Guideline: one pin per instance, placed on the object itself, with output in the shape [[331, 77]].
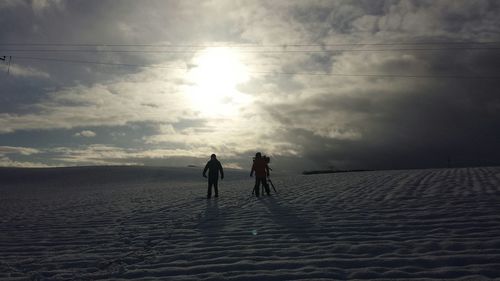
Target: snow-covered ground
[[138, 223]]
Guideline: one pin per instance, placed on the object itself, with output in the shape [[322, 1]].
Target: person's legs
[[266, 186], [216, 188], [258, 182], [209, 191], [257, 186]]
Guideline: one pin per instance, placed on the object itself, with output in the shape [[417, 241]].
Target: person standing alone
[[214, 167], [261, 170]]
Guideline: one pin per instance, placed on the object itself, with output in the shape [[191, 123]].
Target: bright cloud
[[7, 162], [85, 133], [146, 96], [17, 150]]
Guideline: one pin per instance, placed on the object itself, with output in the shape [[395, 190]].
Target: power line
[[242, 51], [454, 76], [384, 75], [255, 45], [96, 62]]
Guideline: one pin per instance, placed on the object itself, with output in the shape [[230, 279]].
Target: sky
[[332, 84]]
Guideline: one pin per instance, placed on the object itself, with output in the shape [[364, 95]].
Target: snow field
[[386, 225]]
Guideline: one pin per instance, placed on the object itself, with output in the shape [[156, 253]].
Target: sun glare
[[214, 77]]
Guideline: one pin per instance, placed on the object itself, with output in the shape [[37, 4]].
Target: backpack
[[266, 159]]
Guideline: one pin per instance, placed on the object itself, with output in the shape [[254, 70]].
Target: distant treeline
[[331, 171]]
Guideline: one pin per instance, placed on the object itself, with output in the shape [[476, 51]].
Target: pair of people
[[259, 166], [261, 170]]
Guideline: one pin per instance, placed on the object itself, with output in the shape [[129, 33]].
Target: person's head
[[258, 155], [213, 156]]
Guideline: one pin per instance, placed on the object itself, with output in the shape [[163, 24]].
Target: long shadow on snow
[[286, 217], [212, 221]]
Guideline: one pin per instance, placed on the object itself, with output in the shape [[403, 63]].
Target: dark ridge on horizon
[[315, 172], [90, 175], [334, 171]]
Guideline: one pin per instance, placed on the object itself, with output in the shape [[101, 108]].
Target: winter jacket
[[214, 167], [260, 167]]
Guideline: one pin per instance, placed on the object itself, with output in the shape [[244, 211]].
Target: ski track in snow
[[388, 225]]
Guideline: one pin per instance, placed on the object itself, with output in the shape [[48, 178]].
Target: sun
[[213, 78]]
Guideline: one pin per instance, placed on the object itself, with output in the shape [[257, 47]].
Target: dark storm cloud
[[421, 125], [413, 122]]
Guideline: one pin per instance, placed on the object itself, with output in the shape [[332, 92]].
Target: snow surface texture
[[412, 224]]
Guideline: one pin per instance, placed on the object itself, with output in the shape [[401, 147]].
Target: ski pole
[[274, 188]]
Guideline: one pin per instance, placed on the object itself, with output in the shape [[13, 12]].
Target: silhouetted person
[[261, 173], [214, 167]]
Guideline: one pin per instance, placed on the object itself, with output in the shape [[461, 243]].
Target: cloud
[[10, 3], [320, 120], [40, 6], [96, 154], [85, 133], [18, 150], [6, 152], [20, 71], [102, 154], [144, 96], [7, 162]]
